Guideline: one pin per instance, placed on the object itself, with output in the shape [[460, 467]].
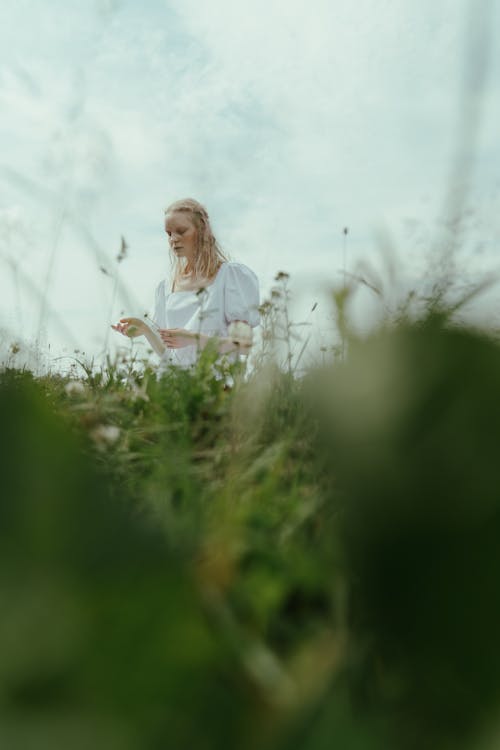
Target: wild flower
[[105, 434], [265, 307], [282, 276], [123, 250], [240, 332], [74, 388], [139, 393]]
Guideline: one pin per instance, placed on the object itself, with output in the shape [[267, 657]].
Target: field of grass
[[289, 564]]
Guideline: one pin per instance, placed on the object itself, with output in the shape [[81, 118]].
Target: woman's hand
[[177, 338], [130, 327]]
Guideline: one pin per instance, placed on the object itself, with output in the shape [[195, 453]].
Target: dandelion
[[105, 434]]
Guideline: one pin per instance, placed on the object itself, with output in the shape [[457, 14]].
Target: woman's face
[[181, 233]]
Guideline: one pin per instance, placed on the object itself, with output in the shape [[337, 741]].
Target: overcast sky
[[288, 119]]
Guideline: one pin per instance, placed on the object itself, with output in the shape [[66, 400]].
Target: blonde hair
[[209, 255]]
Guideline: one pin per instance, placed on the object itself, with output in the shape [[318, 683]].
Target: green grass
[[291, 564]]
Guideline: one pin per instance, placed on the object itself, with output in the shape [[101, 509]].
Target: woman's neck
[[189, 283], [186, 280]]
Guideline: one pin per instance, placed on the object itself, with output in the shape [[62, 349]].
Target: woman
[[208, 297]]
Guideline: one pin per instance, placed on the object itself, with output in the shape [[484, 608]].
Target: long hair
[[209, 255]]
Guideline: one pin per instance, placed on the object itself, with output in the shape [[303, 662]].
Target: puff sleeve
[[241, 295]]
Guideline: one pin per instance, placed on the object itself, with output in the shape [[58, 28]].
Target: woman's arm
[[239, 338], [155, 341]]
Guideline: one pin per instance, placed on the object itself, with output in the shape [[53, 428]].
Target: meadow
[[290, 563]]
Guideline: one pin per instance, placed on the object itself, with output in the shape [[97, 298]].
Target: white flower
[[240, 333], [74, 388], [106, 433], [139, 393]]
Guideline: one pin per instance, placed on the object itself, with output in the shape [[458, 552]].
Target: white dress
[[232, 295]]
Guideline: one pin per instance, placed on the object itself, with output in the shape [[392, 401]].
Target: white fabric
[[232, 295]]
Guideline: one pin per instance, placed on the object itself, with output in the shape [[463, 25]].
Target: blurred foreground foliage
[[293, 564]]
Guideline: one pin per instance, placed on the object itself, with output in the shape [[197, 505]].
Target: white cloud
[[290, 120]]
